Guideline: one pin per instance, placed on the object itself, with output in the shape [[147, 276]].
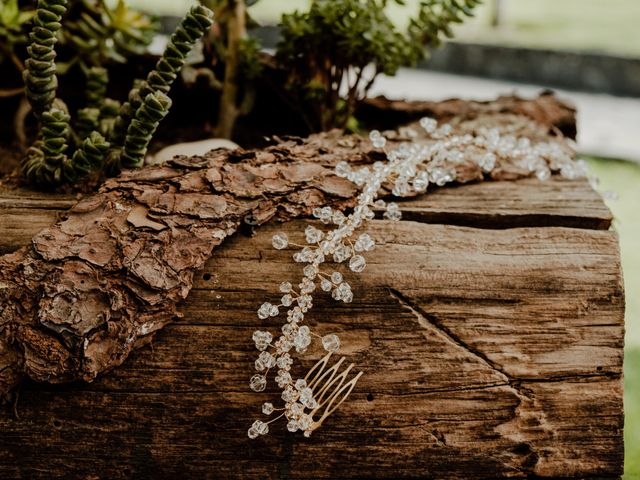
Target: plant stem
[[236, 32]]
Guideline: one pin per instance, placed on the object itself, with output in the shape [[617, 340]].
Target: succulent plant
[[331, 46], [105, 133], [96, 33]]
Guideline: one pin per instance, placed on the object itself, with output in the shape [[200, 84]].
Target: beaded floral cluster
[[410, 168]]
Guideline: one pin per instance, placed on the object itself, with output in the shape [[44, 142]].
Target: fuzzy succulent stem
[[88, 121], [96, 87], [192, 27], [153, 109], [91, 153], [47, 163], [40, 73]]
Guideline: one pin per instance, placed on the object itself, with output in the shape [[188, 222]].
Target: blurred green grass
[[624, 179], [632, 412], [586, 25]]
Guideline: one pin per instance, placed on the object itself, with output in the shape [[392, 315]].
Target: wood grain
[[487, 353], [522, 202]]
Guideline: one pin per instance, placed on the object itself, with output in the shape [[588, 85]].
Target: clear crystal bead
[[445, 129], [297, 315], [338, 217], [421, 182], [296, 409], [289, 394], [342, 292], [307, 254], [343, 169], [253, 433], [305, 394], [326, 214], [262, 339], [401, 187], [259, 365], [357, 263], [488, 162], [336, 277], [267, 359], [283, 379], [280, 241], [313, 235], [285, 345], [311, 403], [379, 142], [300, 384], [331, 342], [284, 362], [543, 174], [429, 124], [286, 300], [326, 285], [260, 427], [568, 171], [310, 271], [265, 310], [292, 426], [258, 383], [305, 302], [364, 243], [302, 339], [287, 329], [267, 408], [393, 212], [341, 253], [305, 422], [285, 287], [441, 176]]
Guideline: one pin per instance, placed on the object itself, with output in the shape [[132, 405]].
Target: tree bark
[[489, 324]]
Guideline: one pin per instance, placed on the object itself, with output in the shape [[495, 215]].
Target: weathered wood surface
[[102, 280], [523, 202], [487, 352]]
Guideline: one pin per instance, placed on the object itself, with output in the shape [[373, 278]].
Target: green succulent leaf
[[336, 40]]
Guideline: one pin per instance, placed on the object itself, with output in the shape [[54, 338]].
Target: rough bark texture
[[487, 352]]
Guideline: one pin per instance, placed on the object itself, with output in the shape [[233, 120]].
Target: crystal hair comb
[[321, 391], [410, 168]]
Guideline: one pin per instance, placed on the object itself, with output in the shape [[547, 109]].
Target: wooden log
[[489, 325], [487, 353]]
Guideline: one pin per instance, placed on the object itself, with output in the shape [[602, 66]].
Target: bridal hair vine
[[409, 169]]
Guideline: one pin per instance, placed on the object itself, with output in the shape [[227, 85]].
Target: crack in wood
[[527, 414], [425, 318]]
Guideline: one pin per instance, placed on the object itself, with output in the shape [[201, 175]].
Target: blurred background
[[588, 51]]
